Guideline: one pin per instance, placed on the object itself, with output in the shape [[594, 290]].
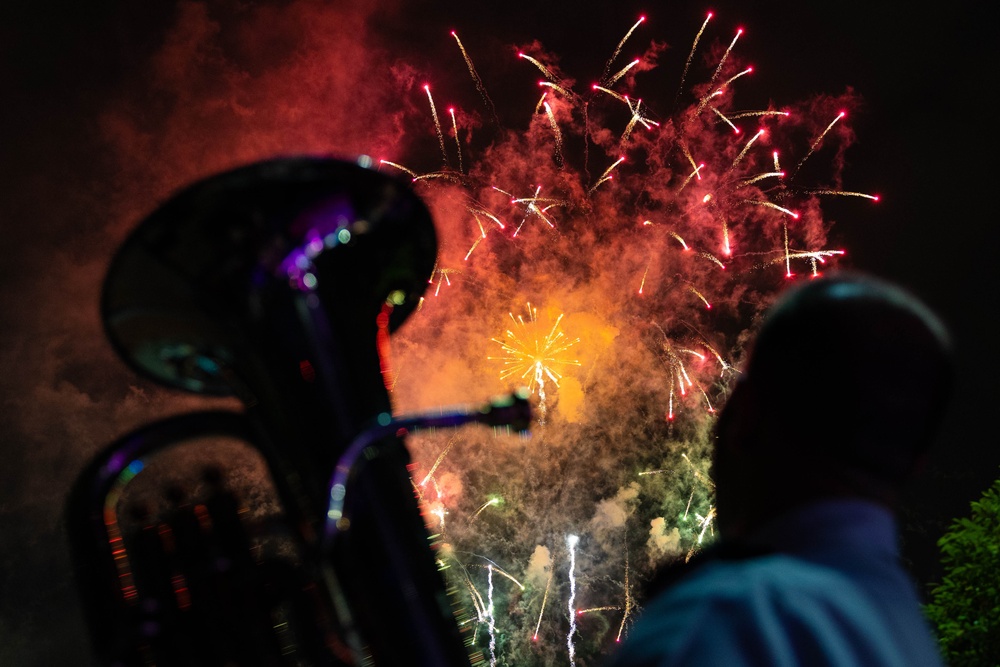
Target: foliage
[[965, 606]]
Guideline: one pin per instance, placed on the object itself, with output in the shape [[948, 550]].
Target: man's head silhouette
[[840, 397]]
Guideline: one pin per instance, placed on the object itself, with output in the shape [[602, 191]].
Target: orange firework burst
[[535, 353]]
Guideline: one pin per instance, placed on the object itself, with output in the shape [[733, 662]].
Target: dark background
[[926, 142]]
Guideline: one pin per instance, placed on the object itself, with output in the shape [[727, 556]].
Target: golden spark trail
[[542, 68], [620, 98], [683, 378], [697, 473], [599, 183], [653, 472], [479, 239], [622, 72], [777, 167], [700, 296], [618, 49], [437, 462], [743, 152], [726, 248], [751, 114], [728, 81], [728, 122], [555, 86], [581, 612], [816, 254], [645, 121], [712, 258], [475, 78], [844, 193], [760, 177], [636, 118], [768, 204], [541, 101], [722, 362], [687, 64], [693, 174], [704, 102], [611, 168], [812, 255], [705, 523], [458, 143], [556, 134], [708, 402], [477, 599], [444, 175], [694, 165], [443, 278], [643, 282], [502, 572], [628, 128], [400, 167], [816, 143], [486, 214], [628, 600], [694, 353], [488, 503], [437, 125], [532, 208], [475, 245], [545, 597], [788, 263], [551, 201], [725, 55]]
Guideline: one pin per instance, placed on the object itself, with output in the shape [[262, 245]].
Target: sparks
[[458, 143], [437, 125], [571, 542], [817, 142], [716, 186], [541, 68], [555, 133], [532, 354], [541, 611], [475, 78], [618, 49]]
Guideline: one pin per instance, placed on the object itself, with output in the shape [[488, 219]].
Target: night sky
[[95, 134]]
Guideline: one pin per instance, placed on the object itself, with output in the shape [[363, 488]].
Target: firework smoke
[[625, 263], [571, 205]]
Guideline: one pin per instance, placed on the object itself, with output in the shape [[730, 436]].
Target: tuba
[[278, 283]]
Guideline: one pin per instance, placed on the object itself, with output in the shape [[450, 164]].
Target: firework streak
[[610, 252]]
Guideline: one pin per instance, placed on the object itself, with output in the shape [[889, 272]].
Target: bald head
[[843, 390], [858, 362]]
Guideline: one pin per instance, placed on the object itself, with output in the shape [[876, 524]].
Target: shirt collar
[[848, 524]]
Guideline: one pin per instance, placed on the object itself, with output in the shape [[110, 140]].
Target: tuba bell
[[278, 283]]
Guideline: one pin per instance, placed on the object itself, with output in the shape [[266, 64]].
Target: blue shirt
[[831, 592]]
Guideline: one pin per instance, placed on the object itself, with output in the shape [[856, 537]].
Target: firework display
[[613, 253]]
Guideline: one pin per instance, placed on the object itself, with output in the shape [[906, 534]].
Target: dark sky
[[89, 145]]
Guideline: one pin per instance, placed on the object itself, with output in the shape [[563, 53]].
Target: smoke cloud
[[584, 214]]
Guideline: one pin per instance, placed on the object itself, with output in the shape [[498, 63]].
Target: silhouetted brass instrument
[[278, 283]]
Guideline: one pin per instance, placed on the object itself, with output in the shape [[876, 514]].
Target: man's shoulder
[[775, 609], [770, 574]]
